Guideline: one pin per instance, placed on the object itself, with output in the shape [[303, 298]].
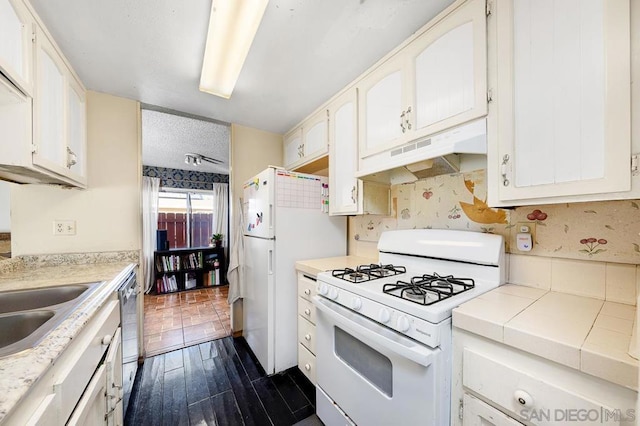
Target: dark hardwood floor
[[217, 383]]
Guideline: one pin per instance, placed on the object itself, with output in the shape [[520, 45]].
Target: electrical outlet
[[64, 227]]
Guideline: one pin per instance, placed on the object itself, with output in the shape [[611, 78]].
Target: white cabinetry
[[307, 142], [495, 384], [559, 129], [347, 194], [59, 114], [83, 386], [306, 327], [42, 104], [16, 44], [436, 81]]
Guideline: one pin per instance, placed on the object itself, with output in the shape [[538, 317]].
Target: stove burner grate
[[370, 272], [429, 289]]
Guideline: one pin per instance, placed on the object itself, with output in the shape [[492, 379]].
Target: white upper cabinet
[[436, 81], [307, 142], [292, 147], [382, 111], [314, 136], [448, 64], [59, 115], [344, 187], [16, 44], [560, 127]]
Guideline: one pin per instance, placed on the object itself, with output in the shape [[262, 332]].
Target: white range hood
[[430, 156]]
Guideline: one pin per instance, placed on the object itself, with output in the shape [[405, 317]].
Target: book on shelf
[[190, 280], [166, 284]]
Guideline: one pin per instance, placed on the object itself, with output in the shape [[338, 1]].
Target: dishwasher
[[128, 295]]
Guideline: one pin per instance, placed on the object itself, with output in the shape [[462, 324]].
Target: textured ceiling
[[167, 137], [304, 52]]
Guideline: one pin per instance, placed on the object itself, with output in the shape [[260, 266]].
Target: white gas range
[[384, 331]]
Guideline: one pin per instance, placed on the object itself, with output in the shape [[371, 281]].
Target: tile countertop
[[315, 266], [590, 335], [19, 371]]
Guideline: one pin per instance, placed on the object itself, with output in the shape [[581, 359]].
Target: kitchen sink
[[27, 316], [18, 326], [23, 300]]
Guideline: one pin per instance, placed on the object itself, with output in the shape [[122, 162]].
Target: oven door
[[375, 375]]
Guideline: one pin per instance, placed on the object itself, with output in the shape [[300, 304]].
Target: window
[[187, 217]]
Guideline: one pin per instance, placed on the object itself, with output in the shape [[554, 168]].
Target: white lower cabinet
[[477, 413], [84, 384], [495, 384], [306, 326]]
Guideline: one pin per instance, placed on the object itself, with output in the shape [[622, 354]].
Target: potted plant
[[216, 240]]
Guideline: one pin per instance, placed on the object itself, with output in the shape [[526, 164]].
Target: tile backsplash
[[607, 231]]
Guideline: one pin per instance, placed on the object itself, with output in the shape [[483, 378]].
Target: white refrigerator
[[286, 220]]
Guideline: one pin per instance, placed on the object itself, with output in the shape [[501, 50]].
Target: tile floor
[[175, 321], [218, 383]]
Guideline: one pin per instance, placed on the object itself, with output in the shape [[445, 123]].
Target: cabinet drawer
[[306, 310], [78, 364], [307, 334], [519, 391], [306, 287], [307, 363]]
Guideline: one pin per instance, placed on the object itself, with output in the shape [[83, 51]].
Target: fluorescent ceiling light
[[232, 27]]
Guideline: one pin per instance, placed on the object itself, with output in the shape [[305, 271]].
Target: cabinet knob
[[307, 337], [307, 292], [307, 311], [106, 340], [307, 367], [523, 398]]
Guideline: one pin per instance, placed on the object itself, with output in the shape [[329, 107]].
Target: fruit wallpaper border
[[607, 231]]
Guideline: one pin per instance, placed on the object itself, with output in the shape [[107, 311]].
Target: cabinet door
[[49, 121], [449, 71], [477, 413], [92, 407], [76, 131], [113, 364], [292, 147], [345, 189], [562, 80], [16, 47], [314, 136], [382, 108]]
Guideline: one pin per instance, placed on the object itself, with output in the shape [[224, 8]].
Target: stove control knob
[[333, 293], [356, 303], [384, 315], [403, 324], [323, 289]]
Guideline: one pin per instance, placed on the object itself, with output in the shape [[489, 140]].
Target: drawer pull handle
[[106, 340], [523, 398], [307, 367], [307, 337], [307, 292], [307, 311]]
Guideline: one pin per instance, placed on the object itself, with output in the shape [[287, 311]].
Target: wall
[[252, 151], [107, 214], [5, 207], [606, 231]]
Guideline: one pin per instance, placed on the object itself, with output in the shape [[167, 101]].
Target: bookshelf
[[189, 268]]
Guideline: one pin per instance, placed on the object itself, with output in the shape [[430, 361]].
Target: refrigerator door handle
[[270, 261], [270, 216]]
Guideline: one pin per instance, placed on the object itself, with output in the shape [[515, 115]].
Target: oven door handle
[[374, 332]]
